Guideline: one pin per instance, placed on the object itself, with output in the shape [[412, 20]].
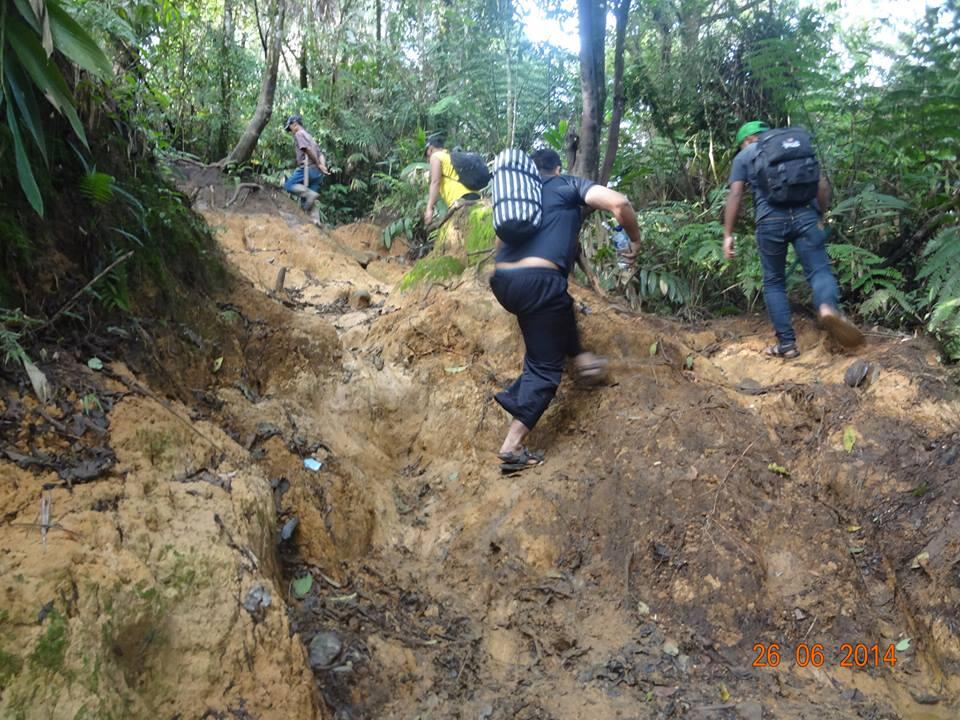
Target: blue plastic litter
[[312, 464], [289, 527]]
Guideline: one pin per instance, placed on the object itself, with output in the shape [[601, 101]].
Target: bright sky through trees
[[888, 17]]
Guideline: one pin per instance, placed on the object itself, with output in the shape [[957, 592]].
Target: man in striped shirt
[[530, 281]]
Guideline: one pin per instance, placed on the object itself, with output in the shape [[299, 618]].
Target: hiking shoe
[[842, 330], [309, 199]]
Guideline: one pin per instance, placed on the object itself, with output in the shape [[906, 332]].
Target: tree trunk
[[304, 76], [622, 14], [225, 94], [379, 21], [268, 88], [571, 145], [593, 15]]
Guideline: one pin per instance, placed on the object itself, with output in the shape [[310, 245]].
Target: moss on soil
[[431, 269]]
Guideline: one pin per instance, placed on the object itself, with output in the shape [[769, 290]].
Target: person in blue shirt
[[530, 281], [776, 227]]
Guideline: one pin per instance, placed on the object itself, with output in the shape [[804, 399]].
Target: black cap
[[291, 120], [435, 140]]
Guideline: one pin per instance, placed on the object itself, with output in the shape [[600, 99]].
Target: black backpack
[[517, 197], [786, 166], [471, 169]]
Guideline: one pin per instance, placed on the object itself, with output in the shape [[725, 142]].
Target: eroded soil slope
[[705, 501]]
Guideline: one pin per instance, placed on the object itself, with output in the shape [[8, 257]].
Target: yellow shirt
[[451, 189]]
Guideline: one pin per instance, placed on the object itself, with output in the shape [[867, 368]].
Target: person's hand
[[427, 216], [629, 256], [728, 250]]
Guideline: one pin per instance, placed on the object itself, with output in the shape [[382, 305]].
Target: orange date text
[[848, 655]]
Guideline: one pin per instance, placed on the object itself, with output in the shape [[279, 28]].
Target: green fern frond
[[97, 187]]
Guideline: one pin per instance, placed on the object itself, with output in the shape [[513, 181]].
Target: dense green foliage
[[372, 78], [887, 140], [94, 216]]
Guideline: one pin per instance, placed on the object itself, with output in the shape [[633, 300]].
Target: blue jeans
[[316, 179], [800, 226]]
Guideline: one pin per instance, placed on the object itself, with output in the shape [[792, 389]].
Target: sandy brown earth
[[705, 506]]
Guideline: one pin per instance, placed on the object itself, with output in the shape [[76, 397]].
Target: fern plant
[[97, 187], [940, 273], [867, 276], [29, 34], [402, 227]]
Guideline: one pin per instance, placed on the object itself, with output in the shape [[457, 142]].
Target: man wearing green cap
[[790, 198]]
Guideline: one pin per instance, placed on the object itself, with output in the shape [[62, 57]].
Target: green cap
[[751, 128]]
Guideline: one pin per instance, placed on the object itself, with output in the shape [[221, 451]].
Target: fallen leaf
[[849, 438], [654, 348], [778, 469], [302, 585], [95, 363], [920, 561], [724, 693], [455, 369], [41, 386], [853, 528], [217, 364], [856, 550], [903, 645], [688, 363]]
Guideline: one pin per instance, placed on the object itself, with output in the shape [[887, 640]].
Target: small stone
[[670, 648], [856, 373], [749, 710], [351, 320], [257, 601], [432, 611], [360, 298], [683, 663], [749, 386], [643, 609], [325, 647]]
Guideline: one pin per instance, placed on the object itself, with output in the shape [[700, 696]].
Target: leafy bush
[[431, 270], [941, 272]]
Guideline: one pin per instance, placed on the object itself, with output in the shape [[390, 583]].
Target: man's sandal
[[785, 352], [520, 460]]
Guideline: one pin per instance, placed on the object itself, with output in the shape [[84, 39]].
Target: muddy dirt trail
[[302, 515]]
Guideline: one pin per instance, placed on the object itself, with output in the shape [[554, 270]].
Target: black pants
[[544, 310]]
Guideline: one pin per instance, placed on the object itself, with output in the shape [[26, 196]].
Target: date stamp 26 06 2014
[[848, 655]]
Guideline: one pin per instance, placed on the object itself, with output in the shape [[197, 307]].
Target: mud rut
[[703, 502]]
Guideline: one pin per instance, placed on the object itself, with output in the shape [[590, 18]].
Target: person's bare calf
[[514, 439]]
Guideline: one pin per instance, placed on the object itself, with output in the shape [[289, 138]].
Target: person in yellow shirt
[[444, 181]]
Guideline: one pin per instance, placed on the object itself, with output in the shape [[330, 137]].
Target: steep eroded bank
[[704, 501]]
